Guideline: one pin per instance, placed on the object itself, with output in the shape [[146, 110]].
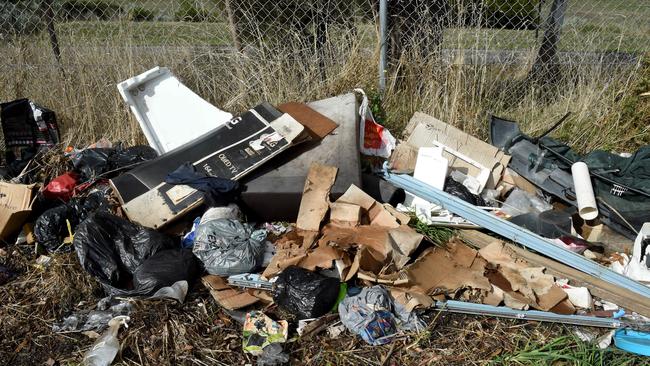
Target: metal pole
[[515, 233], [383, 30]]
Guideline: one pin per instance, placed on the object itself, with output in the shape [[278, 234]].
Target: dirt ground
[[198, 332]]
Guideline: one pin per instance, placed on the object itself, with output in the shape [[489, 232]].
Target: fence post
[[49, 18], [383, 30], [546, 65]]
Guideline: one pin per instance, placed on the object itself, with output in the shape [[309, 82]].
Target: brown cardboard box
[[15, 206]]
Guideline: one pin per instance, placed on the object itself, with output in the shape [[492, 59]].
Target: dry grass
[[456, 90], [199, 333], [83, 94]]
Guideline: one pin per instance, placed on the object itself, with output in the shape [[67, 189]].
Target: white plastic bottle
[[106, 347]]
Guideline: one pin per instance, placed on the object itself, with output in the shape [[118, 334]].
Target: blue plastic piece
[[633, 341]]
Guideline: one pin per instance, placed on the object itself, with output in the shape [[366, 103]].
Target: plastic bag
[[374, 316], [260, 331], [112, 249], [229, 247], [52, 226], [459, 190], [93, 162], [165, 268], [521, 202], [96, 320], [305, 294], [375, 139], [61, 187]]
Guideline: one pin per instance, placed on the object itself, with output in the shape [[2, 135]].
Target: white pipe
[[587, 208]]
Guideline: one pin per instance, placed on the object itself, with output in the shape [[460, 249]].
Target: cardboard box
[[231, 151], [15, 206]]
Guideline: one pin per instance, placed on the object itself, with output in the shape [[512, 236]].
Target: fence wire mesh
[[310, 43]]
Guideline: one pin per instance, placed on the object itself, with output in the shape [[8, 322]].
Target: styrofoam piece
[[637, 267], [431, 168], [587, 208], [169, 113], [475, 184]]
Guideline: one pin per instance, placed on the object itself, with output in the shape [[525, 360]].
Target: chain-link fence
[[460, 53]]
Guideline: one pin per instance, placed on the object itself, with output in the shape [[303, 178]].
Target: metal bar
[[513, 232], [383, 30], [544, 316]]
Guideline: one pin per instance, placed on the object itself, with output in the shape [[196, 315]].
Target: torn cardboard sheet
[[15, 206], [345, 214], [375, 213], [449, 270], [227, 296], [315, 199], [525, 284], [422, 130], [295, 249]]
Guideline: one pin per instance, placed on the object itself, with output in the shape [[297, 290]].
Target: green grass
[[127, 33], [568, 350]]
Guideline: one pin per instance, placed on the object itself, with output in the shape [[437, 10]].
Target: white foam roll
[[587, 208]]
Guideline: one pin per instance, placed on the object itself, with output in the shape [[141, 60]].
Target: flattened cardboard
[[15, 207], [422, 129], [227, 296], [447, 270], [315, 198]]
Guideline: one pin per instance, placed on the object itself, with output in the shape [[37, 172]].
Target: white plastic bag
[[374, 139]]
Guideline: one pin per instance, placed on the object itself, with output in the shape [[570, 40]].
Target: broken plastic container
[[169, 113]]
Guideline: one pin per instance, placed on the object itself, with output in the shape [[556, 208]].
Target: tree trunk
[[546, 67]]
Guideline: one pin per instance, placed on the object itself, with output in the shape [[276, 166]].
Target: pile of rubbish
[[271, 209]]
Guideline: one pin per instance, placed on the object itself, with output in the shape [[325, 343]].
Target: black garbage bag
[[93, 162], [305, 294], [51, 227], [113, 249], [164, 268], [459, 190]]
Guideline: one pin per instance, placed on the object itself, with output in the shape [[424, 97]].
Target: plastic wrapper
[[96, 320], [521, 202], [260, 331], [374, 316], [113, 250], [229, 247], [52, 226], [305, 294], [61, 187]]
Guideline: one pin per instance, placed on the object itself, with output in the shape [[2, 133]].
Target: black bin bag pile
[[130, 260]]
